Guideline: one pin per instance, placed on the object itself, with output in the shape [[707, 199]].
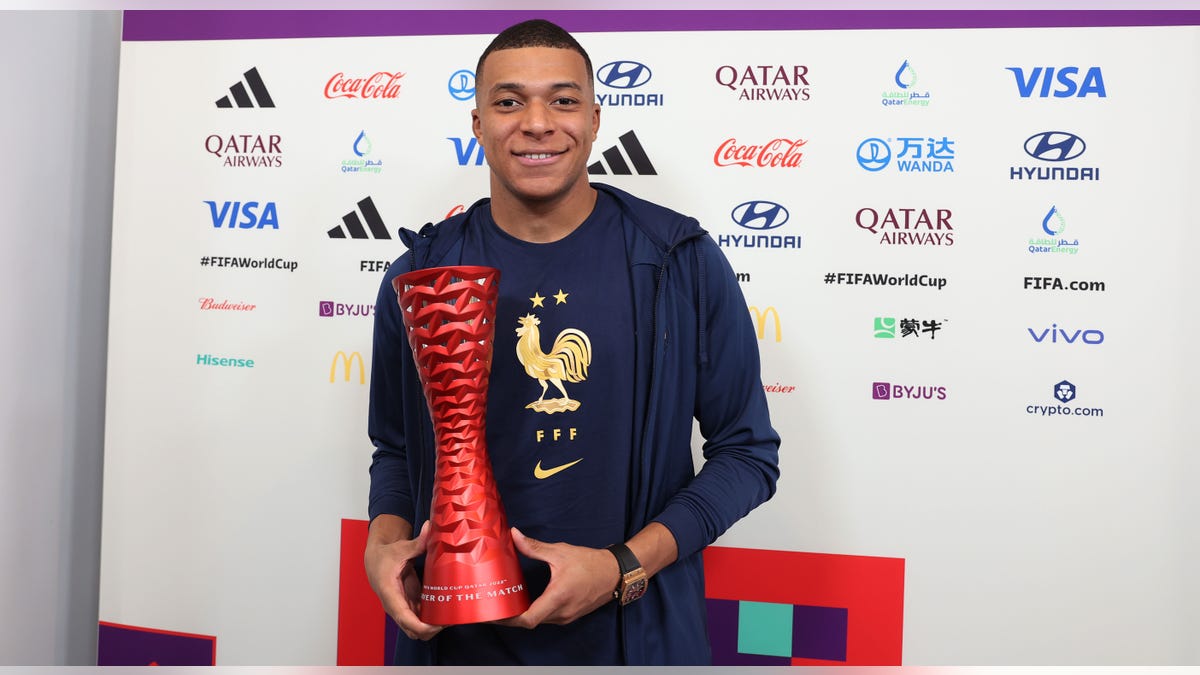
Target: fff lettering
[[1090, 336], [243, 215], [1045, 82], [556, 434]]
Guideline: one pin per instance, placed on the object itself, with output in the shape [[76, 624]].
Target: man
[[598, 458]]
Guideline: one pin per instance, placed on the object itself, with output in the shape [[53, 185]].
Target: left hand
[[581, 580]]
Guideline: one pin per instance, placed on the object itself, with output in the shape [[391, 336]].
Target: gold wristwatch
[[633, 578]]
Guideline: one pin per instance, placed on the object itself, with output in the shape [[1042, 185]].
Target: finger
[[529, 547], [532, 617]]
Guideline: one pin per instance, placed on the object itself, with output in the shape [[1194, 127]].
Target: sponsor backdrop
[[963, 250]]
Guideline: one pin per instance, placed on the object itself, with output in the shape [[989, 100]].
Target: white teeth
[[541, 155]]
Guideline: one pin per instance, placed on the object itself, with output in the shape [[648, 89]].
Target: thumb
[[528, 546]]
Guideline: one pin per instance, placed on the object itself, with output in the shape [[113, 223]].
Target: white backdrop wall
[[57, 128], [1026, 539]]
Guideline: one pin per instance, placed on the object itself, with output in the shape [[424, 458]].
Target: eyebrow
[[518, 87]]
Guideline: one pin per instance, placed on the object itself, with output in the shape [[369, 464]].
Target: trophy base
[[468, 594]]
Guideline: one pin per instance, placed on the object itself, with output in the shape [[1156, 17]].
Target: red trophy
[[471, 569]]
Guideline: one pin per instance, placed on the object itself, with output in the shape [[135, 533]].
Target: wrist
[[632, 580]]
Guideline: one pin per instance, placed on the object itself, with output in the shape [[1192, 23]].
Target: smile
[[538, 155]]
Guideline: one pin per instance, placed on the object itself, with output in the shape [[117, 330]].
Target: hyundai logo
[[759, 215], [623, 74], [1054, 146], [462, 85], [874, 154]]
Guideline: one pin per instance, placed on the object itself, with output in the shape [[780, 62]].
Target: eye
[[565, 100], [507, 103]]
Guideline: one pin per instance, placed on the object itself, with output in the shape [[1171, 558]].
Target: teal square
[[765, 628]]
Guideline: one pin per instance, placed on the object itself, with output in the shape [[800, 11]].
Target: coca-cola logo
[[380, 85], [780, 152]]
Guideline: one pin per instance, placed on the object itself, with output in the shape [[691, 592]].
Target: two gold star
[[560, 298]]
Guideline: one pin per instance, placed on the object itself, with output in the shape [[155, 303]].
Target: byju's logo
[[243, 215], [242, 150], [1063, 392], [1059, 83], [329, 308], [467, 150], [913, 154], [887, 391], [626, 75], [362, 147], [1053, 224], [907, 226], [379, 85], [615, 160], [461, 85], [776, 153], [352, 225], [907, 94], [242, 99], [1054, 147], [1056, 335], [759, 215], [766, 83]]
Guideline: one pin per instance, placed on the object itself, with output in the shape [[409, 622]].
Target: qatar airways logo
[[380, 85], [776, 153]]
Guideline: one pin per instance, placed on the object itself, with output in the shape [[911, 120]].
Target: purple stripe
[[260, 24]]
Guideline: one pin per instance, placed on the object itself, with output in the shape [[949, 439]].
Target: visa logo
[[243, 215], [1061, 83], [465, 151]]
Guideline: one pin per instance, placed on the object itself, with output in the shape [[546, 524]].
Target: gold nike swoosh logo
[[542, 474]]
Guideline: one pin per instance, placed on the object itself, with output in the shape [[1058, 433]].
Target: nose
[[536, 121]]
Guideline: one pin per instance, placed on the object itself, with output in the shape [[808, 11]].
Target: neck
[[542, 222]]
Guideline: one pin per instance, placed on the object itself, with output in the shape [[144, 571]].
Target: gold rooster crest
[[568, 360]]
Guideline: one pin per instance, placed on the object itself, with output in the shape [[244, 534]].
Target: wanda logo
[[380, 85], [780, 152]]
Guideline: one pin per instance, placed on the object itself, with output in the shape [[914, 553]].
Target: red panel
[[870, 588], [361, 618]]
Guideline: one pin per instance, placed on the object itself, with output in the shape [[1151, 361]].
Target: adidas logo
[[242, 98], [616, 161], [352, 225]]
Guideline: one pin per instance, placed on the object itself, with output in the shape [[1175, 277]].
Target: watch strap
[[626, 560]]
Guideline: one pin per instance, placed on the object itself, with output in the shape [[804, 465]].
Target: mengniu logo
[[759, 215], [626, 75], [243, 215], [1053, 224], [352, 225], [1063, 392], [776, 153], [912, 154], [906, 95], [347, 361], [257, 96], [888, 391], [1056, 335], [1054, 147], [885, 327], [467, 150], [461, 85], [614, 158], [382, 84], [1061, 82], [760, 321], [907, 226], [765, 83], [246, 150]]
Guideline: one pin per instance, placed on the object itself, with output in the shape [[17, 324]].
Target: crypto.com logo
[[1054, 146], [623, 74], [759, 215], [1064, 391]]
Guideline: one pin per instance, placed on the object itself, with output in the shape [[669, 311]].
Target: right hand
[[394, 579]]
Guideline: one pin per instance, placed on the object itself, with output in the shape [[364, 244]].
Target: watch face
[[634, 591]]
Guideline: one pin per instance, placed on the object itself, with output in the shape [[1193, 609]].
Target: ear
[[595, 120], [476, 125]]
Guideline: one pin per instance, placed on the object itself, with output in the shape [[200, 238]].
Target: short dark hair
[[534, 33]]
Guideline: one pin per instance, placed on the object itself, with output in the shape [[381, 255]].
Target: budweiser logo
[[781, 152], [380, 85]]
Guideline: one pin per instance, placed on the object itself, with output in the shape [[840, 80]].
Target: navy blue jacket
[[696, 355]]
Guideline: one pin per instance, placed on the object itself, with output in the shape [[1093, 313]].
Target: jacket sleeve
[[741, 448], [391, 487]]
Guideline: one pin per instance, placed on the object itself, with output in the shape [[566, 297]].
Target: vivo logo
[[1089, 336], [1060, 83], [623, 74], [759, 215], [1054, 146]]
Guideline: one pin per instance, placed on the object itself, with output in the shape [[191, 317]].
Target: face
[[536, 120]]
